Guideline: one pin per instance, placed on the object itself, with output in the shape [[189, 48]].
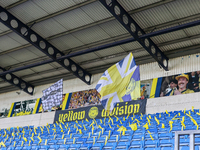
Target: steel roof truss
[[135, 30], [43, 45], [18, 82]]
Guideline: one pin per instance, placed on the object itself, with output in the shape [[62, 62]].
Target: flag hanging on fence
[[119, 83], [52, 96]]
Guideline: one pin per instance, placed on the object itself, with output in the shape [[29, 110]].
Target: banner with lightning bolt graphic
[[119, 83]]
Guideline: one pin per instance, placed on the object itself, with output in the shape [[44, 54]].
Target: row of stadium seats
[[149, 132]]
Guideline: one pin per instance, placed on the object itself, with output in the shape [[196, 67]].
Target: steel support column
[[18, 82], [43, 45], [135, 30]]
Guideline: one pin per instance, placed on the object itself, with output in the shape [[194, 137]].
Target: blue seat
[[151, 148], [97, 146], [11, 148], [165, 135], [74, 146], [63, 147], [52, 142], [166, 143], [123, 145], [110, 145], [90, 140], [137, 144], [113, 138], [136, 149], [184, 142], [154, 143], [167, 148], [81, 140], [35, 147], [70, 141], [155, 136], [55, 147], [125, 138], [138, 137], [101, 140], [18, 148], [27, 148], [184, 147], [59, 142], [85, 146]]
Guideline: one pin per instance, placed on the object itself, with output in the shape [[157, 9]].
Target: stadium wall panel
[[34, 119]]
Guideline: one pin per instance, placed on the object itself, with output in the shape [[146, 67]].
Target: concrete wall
[[173, 103], [34, 119]]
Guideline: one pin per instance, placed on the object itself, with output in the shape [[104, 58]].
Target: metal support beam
[[43, 45], [18, 82], [135, 30], [152, 34]]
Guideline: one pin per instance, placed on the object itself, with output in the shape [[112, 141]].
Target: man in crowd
[[198, 74], [172, 85], [193, 82], [182, 85]]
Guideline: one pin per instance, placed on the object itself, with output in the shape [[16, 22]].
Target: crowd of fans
[[84, 98]]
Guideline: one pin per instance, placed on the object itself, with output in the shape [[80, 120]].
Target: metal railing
[[189, 132]]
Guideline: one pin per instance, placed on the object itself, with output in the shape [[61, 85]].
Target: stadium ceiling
[[88, 34]]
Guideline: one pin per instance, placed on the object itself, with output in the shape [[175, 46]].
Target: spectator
[[172, 85], [193, 82], [182, 85]]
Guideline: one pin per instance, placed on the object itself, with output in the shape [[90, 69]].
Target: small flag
[[2, 144], [158, 122], [133, 126], [170, 124], [146, 126]]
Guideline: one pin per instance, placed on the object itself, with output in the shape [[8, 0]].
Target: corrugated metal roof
[[113, 28], [52, 6], [131, 46], [73, 19], [193, 30], [114, 59], [6, 42], [152, 17], [90, 35], [48, 28], [176, 46], [131, 5], [7, 60], [109, 51], [93, 64], [183, 8], [24, 73], [66, 42], [5, 3], [76, 25], [96, 11], [169, 37], [28, 11], [24, 55], [3, 28], [84, 57], [195, 41]]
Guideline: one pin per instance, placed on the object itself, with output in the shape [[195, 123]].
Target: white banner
[[52, 96]]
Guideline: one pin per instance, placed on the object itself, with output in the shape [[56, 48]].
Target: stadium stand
[[132, 132]]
